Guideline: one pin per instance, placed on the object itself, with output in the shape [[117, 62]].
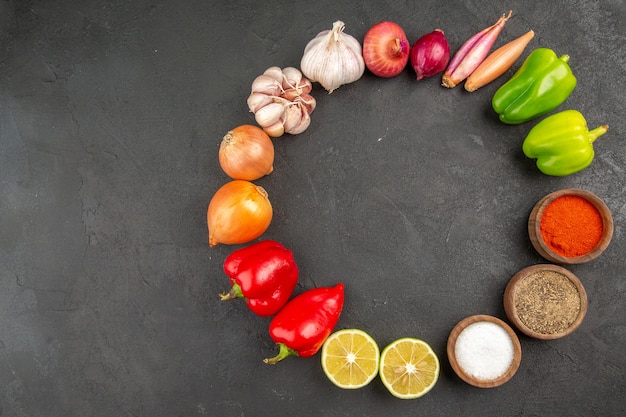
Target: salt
[[484, 350]]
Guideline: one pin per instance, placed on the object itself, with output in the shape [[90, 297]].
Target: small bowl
[[462, 373], [534, 227], [536, 292]]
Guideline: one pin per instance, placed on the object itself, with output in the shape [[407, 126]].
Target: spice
[[484, 350], [571, 226], [547, 302]]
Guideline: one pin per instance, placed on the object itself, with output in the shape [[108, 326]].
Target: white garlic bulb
[[333, 58], [281, 102]]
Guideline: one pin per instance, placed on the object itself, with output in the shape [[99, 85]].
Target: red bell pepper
[[302, 326], [264, 274]]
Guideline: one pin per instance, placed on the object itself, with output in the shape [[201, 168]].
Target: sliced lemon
[[350, 358], [409, 368]]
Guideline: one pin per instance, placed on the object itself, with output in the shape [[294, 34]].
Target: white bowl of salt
[[484, 351]]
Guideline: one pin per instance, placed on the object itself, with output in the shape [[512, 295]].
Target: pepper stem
[[235, 292], [283, 352], [597, 132]]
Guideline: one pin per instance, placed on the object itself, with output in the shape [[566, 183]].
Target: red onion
[[385, 49], [430, 54]]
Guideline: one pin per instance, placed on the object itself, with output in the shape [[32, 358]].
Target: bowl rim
[[511, 290], [483, 383], [534, 226]]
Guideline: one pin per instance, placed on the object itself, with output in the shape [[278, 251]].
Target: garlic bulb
[[281, 102], [333, 58]]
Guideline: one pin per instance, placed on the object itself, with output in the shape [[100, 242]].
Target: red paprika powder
[[571, 226]]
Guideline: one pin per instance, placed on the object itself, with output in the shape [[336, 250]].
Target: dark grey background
[[415, 196]]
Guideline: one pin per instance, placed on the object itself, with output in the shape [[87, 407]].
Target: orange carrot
[[498, 62]]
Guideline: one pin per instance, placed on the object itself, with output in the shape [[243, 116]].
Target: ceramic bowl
[[465, 376], [537, 304], [534, 227]]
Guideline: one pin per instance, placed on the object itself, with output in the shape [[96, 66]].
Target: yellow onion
[[238, 213], [246, 153]]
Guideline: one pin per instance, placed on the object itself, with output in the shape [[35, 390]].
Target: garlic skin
[[281, 102], [333, 58]]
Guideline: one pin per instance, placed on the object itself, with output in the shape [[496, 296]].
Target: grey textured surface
[[415, 196]]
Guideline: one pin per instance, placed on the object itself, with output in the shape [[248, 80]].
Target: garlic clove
[[274, 72], [305, 121], [269, 114], [305, 86], [290, 94], [280, 99], [258, 100], [307, 101], [291, 118], [266, 84], [291, 77], [276, 129]]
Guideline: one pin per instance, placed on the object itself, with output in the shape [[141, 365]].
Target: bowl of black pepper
[[545, 301]]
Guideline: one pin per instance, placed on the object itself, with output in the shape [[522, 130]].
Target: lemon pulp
[[350, 358], [409, 368]]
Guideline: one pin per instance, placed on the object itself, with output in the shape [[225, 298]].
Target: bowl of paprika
[[570, 226]]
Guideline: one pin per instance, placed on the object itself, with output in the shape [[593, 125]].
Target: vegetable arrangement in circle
[[265, 273]]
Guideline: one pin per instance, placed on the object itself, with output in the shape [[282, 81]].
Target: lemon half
[[350, 358], [409, 368]]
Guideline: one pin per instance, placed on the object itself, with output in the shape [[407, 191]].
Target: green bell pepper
[[561, 143], [540, 85]]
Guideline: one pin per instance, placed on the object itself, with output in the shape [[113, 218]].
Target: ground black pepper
[[547, 302]]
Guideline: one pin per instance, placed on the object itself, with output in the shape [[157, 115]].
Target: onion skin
[[246, 153], [430, 54], [239, 212], [386, 49], [498, 62]]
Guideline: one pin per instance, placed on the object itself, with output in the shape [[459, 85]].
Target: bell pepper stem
[[235, 292], [597, 132], [283, 352]]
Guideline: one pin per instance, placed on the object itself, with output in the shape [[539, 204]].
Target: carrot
[[498, 62]]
